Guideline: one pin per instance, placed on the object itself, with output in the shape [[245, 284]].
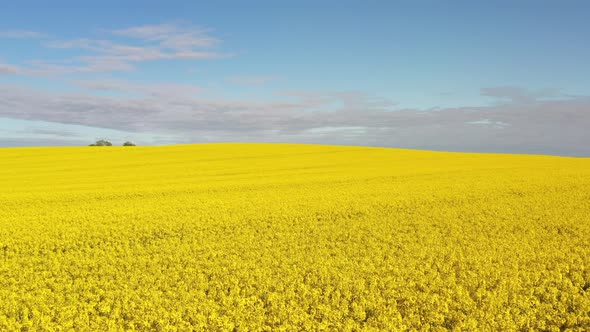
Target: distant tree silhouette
[[102, 142], [128, 143]]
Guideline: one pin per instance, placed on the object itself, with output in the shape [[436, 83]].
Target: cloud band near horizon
[[511, 124]]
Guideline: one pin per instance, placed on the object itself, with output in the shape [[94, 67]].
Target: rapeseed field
[[287, 237]]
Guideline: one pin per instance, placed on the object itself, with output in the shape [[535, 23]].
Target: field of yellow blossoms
[[287, 237]]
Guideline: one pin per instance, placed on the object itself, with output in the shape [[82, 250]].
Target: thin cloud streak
[[6, 69], [172, 36], [252, 80], [132, 46], [160, 90], [21, 34]]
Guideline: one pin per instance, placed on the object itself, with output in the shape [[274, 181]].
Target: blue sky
[[502, 76]]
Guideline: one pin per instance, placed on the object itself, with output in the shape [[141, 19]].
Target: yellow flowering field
[[288, 237]]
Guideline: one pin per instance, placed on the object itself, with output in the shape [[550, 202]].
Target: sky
[[493, 76]]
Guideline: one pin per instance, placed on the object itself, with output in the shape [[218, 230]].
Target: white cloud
[[6, 69], [490, 123], [18, 34], [178, 37], [541, 126], [517, 94], [161, 89], [124, 48], [252, 80]]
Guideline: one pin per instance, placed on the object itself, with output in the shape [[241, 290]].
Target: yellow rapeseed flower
[[287, 237]]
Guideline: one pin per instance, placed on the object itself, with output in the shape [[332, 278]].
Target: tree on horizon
[[101, 142]]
